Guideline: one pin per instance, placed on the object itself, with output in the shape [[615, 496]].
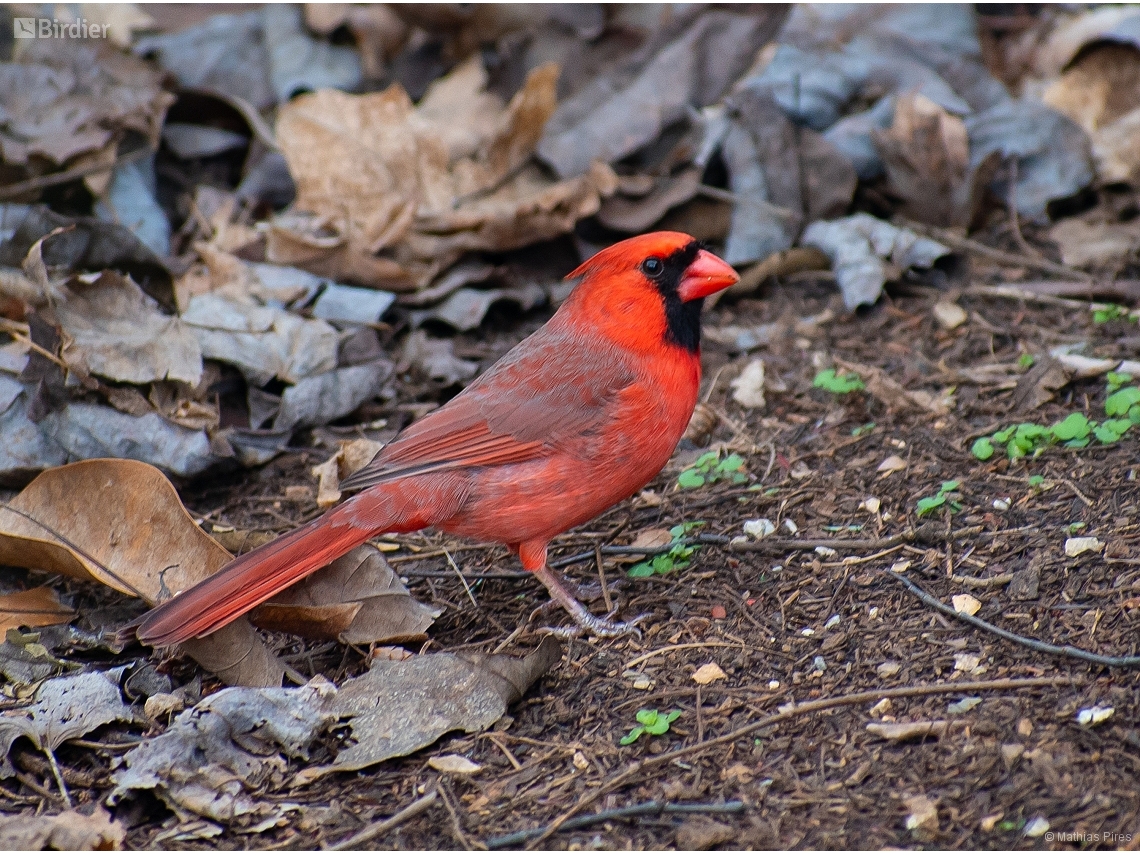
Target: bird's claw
[[600, 627]]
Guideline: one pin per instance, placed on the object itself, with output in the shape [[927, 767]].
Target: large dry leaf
[[116, 331], [120, 523], [400, 707], [70, 831], [218, 758], [34, 607], [390, 193], [356, 599]]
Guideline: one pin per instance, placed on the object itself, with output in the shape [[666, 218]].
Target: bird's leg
[[534, 559]]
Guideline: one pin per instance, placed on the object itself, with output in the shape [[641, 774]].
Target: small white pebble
[[773, 684], [873, 612], [1001, 504], [825, 552], [807, 632], [1094, 715], [1036, 827], [819, 664], [759, 528], [791, 526], [832, 622]]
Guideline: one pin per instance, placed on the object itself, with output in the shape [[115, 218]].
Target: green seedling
[[862, 430], [651, 722], [1036, 481], [1111, 312], [1026, 360], [838, 384], [675, 558], [944, 496], [1114, 380], [709, 468]]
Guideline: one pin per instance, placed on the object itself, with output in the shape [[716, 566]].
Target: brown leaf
[[902, 731], [390, 194], [356, 599], [1038, 385], [34, 607], [893, 394], [67, 831], [400, 707], [136, 538], [927, 159]]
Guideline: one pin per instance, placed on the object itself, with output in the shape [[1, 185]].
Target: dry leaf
[[891, 392], [454, 764], [70, 831], [356, 599], [923, 817], [927, 159], [894, 463], [422, 184], [400, 707], [1096, 244], [1075, 546], [708, 673], [34, 607], [217, 759], [137, 539], [652, 538], [966, 604], [748, 388]]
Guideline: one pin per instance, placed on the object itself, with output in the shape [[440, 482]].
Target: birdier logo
[[50, 28]]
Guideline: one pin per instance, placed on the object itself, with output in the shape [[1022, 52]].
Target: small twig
[[1031, 643], [1088, 502], [979, 582], [58, 775], [1014, 220], [602, 579], [792, 711], [399, 818], [459, 573], [672, 647], [511, 758], [456, 827], [1001, 256], [618, 813]]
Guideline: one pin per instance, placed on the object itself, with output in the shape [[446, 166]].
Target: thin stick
[[459, 573], [1031, 643], [618, 813], [602, 579], [455, 826], [40, 182], [58, 775], [399, 818], [687, 646], [792, 711]]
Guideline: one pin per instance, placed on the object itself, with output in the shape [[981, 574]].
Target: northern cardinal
[[577, 417]]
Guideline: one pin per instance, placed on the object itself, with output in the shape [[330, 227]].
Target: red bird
[[577, 417]]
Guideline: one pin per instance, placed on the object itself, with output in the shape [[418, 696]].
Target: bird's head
[[652, 285]]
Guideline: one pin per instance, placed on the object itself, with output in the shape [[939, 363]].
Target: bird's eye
[[652, 267]]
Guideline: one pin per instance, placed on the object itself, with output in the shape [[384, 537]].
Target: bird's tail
[[407, 504], [250, 580]]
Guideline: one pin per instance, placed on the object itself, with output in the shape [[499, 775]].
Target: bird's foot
[[601, 627]]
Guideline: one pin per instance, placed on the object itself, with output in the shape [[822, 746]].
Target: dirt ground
[[786, 622]]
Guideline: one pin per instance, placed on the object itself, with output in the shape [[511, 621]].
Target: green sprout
[[838, 384], [1115, 380], [1110, 312], [675, 558], [1026, 360], [945, 494], [651, 722], [863, 429], [709, 468]]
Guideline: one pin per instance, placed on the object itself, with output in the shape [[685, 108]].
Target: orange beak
[[706, 275]]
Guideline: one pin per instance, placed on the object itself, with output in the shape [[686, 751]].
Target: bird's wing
[[549, 389]]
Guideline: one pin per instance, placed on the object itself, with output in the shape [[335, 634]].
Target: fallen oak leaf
[[68, 831]]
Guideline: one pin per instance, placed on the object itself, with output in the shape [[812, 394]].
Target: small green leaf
[[1119, 403], [647, 717], [690, 479], [928, 504], [642, 570], [1111, 430], [632, 736], [706, 461], [1109, 313], [1026, 360], [1073, 426], [863, 429], [838, 384], [1036, 480], [982, 448], [1116, 379], [947, 486], [673, 716], [732, 463]]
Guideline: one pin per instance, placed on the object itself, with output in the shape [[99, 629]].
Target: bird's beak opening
[[706, 275]]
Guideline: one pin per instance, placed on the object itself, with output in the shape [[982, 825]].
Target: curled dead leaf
[[34, 607]]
